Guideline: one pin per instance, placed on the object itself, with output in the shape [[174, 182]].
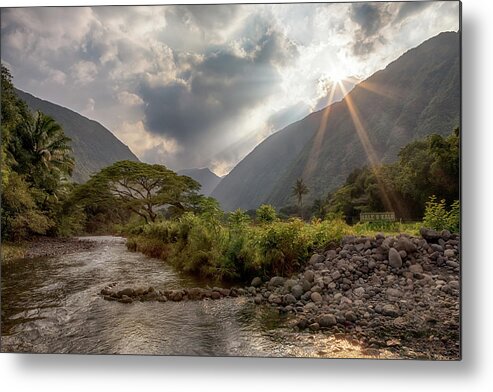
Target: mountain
[[93, 145], [416, 95], [204, 177]]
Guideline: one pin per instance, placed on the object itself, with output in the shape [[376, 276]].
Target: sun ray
[[368, 147], [319, 135], [380, 90]]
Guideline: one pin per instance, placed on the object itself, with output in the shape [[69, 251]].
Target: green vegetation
[[426, 168], [36, 162], [233, 248], [438, 217], [299, 190]]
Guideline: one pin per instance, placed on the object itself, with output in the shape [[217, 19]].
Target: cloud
[[203, 85]]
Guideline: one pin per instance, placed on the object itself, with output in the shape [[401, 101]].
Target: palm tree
[[45, 148], [300, 189]]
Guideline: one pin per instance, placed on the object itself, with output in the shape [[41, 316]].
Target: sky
[[202, 85]]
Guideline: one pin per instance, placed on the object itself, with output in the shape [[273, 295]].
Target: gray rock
[[125, 299], [316, 258], [316, 297], [350, 316], [309, 276], [335, 275], [258, 300], [358, 292], [429, 234], [297, 291], [289, 299], [327, 320], [256, 282], [314, 326], [306, 285], [276, 281], [452, 264], [128, 292], [404, 243], [449, 253], [216, 295], [275, 299], [390, 310], [395, 259], [416, 268], [393, 293]]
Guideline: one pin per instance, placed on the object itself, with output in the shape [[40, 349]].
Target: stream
[[52, 305]]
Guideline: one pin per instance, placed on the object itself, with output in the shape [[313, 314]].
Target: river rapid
[[52, 305]]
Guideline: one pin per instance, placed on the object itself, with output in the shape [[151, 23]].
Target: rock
[[326, 320], [416, 268], [429, 234], [335, 275], [315, 326], [106, 291], [309, 276], [358, 292], [258, 300], [316, 258], [276, 281], [390, 310], [446, 235], [288, 284], [125, 299], [225, 292], [275, 299], [330, 254], [215, 295], [316, 297], [289, 299], [302, 324], [306, 285], [452, 264], [195, 293], [449, 253], [297, 291], [350, 316], [256, 282], [176, 296], [395, 259], [405, 244], [393, 293], [128, 292]]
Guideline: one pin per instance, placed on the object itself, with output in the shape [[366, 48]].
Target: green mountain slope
[[415, 95], [93, 145], [204, 177]]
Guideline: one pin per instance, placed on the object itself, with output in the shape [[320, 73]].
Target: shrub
[[266, 214], [438, 217]]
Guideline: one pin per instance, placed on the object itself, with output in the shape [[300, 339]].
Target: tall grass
[[238, 249]]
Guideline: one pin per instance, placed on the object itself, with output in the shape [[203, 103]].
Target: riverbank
[[400, 293], [45, 247]]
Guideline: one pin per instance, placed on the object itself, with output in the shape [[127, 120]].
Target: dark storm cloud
[[411, 8], [370, 17], [221, 87]]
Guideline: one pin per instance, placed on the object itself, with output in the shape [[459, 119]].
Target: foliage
[[438, 217], [238, 250], [300, 189], [265, 214], [140, 188], [425, 167], [36, 162]]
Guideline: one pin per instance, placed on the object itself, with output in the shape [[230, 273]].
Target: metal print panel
[[270, 180]]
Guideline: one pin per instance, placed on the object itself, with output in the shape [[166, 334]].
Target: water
[[52, 305]]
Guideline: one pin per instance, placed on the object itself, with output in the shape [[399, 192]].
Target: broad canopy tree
[[141, 188]]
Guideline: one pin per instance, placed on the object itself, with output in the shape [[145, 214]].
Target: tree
[[43, 152], [299, 190], [266, 214], [141, 188]]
